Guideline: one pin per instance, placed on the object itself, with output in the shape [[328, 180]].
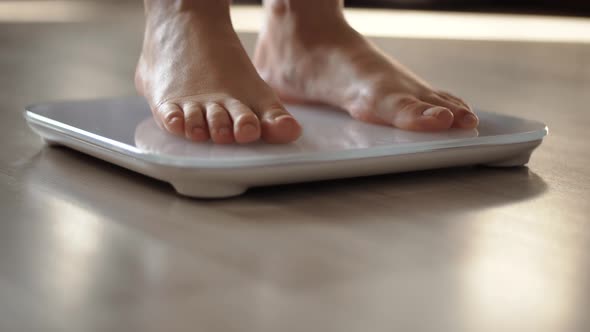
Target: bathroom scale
[[333, 145]]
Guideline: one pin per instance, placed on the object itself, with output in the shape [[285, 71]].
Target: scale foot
[[208, 190], [515, 161]]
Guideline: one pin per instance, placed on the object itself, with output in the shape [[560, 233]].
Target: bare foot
[[199, 81], [309, 53]]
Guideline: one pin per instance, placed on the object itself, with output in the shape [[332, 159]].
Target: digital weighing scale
[[333, 145]]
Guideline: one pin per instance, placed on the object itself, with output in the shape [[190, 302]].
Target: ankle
[[202, 8], [310, 24], [309, 11]]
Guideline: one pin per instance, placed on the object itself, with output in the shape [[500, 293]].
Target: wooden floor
[[87, 246]]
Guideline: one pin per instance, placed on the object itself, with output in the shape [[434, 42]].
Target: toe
[[246, 124], [463, 115], [467, 120], [195, 125], [219, 123], [453, 98], [407, 112], [170, 115], [278, 125]]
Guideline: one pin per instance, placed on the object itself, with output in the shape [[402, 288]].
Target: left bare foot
[[199, 81], [315, 56]]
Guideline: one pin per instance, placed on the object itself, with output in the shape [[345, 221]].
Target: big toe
[[278, 125], [409, 113], [463, 116]]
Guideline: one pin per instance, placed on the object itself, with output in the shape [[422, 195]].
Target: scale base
[[333, 146]]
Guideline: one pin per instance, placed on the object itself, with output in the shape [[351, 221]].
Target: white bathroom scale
[[333, 145]]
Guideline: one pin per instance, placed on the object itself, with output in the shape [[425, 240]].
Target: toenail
[[171, 117], [287, 123], [433, 111], [273, 115], [248, 129], [469, 119], [173, 120], [281, 117]]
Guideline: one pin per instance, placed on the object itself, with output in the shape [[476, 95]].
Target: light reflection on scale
[[324, 130]]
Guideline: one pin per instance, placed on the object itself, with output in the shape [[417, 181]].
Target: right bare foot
[[199, 81], [309, 54]]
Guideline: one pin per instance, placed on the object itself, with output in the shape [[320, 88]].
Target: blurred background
[[85, 246], [549, 7], [545, 7]]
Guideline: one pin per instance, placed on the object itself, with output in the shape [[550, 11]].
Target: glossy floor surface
[[87, 246]]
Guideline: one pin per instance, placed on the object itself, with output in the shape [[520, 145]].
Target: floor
[[87, 246]]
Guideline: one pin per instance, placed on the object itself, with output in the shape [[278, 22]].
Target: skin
[[201, 84]]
